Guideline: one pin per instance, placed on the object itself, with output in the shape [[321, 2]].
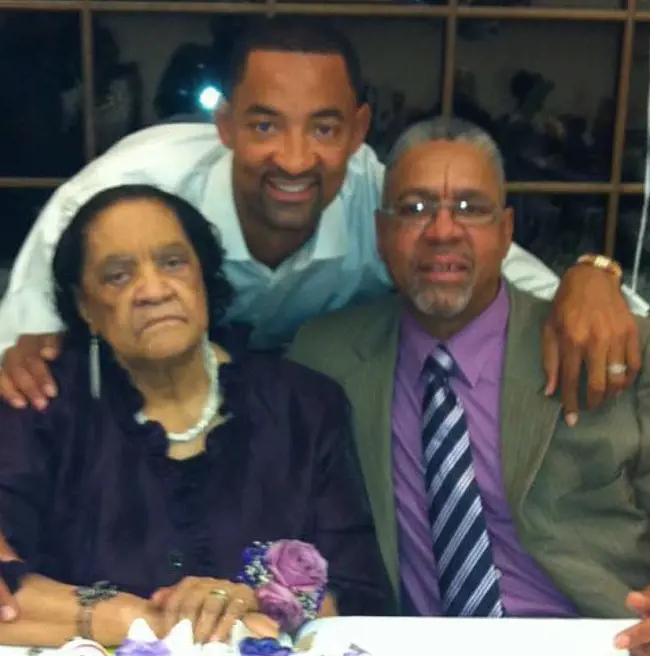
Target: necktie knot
[[440, 363]]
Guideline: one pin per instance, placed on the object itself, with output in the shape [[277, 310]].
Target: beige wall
[[581, 58]]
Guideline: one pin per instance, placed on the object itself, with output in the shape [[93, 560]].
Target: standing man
[[486, 504], [292, 188]]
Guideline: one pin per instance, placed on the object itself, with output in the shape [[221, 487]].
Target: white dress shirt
[[337, 267]]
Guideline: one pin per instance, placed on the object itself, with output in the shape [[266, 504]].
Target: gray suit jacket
[[579, 497]]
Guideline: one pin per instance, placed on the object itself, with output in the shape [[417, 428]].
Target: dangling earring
[[95, 373]]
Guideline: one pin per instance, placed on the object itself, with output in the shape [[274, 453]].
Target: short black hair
[[293, 34], [69, 256]]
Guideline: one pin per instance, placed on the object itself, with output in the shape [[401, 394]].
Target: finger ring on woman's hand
[[219, 593]]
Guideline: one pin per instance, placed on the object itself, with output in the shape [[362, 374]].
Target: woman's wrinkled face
[[142, 288]]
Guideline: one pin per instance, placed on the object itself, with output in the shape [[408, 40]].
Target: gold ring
[[219, 593]]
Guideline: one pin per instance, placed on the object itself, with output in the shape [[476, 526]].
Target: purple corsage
[[289, 578]]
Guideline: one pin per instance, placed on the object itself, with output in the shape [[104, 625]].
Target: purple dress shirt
[[479, 352]]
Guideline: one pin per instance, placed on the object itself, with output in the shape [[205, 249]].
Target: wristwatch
[[88, 597], [603, 263]]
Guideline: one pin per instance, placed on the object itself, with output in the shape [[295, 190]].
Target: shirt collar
[[471, 348], [330, 240]]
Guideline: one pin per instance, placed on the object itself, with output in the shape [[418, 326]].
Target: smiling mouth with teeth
[[298, 185], [292, 187]]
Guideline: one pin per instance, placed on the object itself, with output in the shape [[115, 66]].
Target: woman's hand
[[112, 618], [212, 605], [261, 626]]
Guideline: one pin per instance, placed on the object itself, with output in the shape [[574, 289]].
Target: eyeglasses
[[466, 212]]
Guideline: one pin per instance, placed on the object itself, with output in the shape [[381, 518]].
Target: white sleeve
[[28, 304], [531, 275], [637, 304]]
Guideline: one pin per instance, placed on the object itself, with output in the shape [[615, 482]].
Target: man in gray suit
[[486, 503]]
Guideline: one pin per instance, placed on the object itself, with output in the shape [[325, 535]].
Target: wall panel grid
[[526, 27]]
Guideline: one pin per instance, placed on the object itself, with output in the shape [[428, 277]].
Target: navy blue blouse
[[87, 494]]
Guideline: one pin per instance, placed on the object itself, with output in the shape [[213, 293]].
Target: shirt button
[[175, 561], [499, 573]]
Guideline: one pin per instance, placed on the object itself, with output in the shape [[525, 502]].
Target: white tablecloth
[[392, 636]]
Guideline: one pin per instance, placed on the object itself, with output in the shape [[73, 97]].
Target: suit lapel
[[528, 417], [370, 384]]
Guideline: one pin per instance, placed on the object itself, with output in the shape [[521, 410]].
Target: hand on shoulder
[[25, 377], [591, 324]]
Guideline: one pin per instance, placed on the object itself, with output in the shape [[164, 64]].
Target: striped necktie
[[467, 577]]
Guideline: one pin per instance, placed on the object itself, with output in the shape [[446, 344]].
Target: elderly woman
[[166, 453]]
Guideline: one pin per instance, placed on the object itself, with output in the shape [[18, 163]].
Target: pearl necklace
[[211, 404]]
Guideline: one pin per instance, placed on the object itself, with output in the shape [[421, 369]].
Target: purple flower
[[297, 565], [262, 647], [281, 604], [134, 648]]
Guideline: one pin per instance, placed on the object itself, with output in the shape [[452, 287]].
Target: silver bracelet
[[88, 597]]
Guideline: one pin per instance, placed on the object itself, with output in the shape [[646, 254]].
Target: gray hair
[[445, 129]]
